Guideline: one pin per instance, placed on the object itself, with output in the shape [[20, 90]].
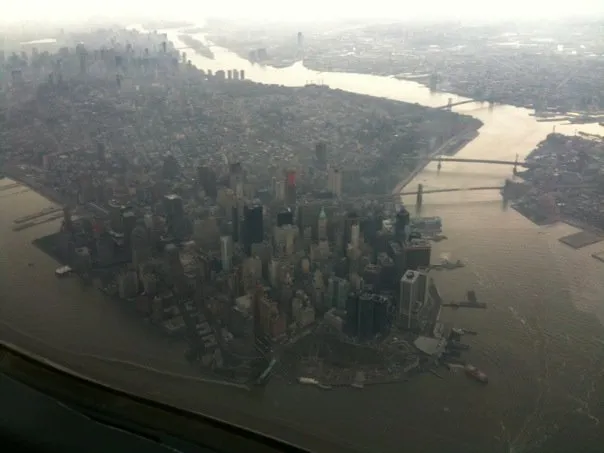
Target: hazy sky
[[18, 10]]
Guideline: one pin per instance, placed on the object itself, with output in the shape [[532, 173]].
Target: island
[[256, 222]]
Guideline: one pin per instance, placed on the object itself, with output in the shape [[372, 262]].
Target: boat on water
[[427, 225], [476, 374], [460, 332], [63, 271], [457, 345]]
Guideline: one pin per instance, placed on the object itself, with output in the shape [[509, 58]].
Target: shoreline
[[421, 79], [11, 171]]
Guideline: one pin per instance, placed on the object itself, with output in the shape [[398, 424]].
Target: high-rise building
[[322, 226], [409, 292], [290, 187], [371, 275], [422, 287], [115, 216], [141, 247], [417, 254], [338, 290], [226, 252], [350, 220], [207, 180], [175, 216], [82, 261], [253, 218], [334, 181], [285, 239], [351, 326], [171, 168], [129, 223], [381, 314], [128, 284], [321, 155], [236, 179], [365, 321], [279, 189], [401, 224], [285, 217], [355, 235], [236, 224]]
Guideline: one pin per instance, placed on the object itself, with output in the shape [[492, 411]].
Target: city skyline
[[271, 10]]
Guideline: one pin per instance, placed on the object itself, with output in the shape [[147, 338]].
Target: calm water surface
[[541, 340]]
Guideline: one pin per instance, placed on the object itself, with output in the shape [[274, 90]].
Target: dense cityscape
[[258, 228], [249, 247], [551, 68], [567, 182]]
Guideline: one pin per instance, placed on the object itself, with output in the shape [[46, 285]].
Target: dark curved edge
[[73, 388]]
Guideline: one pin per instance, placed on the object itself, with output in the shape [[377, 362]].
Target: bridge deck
[[454, 104], [476, 161], [458, 189]]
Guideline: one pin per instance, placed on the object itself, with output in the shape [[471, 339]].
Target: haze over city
[[378, 224], [311, 10]]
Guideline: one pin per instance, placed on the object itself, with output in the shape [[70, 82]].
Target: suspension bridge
[[440, 159]]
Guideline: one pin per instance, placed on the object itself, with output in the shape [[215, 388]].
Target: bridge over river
[[440, 159], [421, 191]]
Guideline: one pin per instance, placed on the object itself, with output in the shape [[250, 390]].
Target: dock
[[466, 305], [471, 302], [23, 226], [43, 212], [9, 186]]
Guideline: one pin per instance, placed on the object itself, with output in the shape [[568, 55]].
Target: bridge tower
[[450, 104], [516, 165], [440, 164], [420, 196]]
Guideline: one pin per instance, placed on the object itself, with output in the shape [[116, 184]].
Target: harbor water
[[541, 341]]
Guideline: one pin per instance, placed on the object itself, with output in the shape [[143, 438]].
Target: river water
[[541, 340]]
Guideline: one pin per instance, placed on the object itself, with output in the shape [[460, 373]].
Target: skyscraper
[[115, 216], [290, 187], [417, 254], [401, 224], [285, 217], [236, 179], [321, 155], [175, 216], [351, 326], [408, 297], [334, 181], [236, 224], [365, 320], [322, 226], [207, 180], [355, 234], [226, 252], [253, 225]]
